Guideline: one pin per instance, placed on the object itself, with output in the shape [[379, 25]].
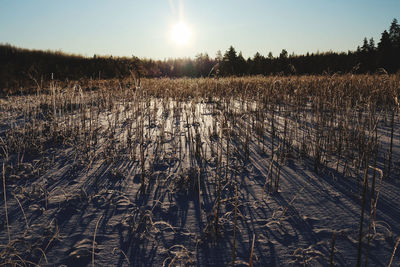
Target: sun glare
[[181, 33]]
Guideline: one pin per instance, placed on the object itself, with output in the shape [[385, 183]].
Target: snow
[[89, 179]]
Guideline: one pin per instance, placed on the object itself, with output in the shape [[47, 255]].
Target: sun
[[180, 33]]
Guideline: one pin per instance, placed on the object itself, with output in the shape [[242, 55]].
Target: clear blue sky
[[142, 27]]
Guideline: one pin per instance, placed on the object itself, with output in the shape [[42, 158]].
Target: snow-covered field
[[260, 171]]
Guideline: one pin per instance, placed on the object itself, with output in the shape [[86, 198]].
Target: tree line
[[22, 67]]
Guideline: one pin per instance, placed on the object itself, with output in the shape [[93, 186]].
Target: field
[[254, 171]]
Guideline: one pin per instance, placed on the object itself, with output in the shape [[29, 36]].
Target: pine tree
[[229, 62], [394, 33], [372, 45], [365, 46], [385, 43]]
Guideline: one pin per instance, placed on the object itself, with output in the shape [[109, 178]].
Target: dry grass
[[207, 126]]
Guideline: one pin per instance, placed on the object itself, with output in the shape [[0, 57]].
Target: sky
[[143, 28]]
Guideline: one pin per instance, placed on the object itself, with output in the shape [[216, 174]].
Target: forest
[[23, 67]]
